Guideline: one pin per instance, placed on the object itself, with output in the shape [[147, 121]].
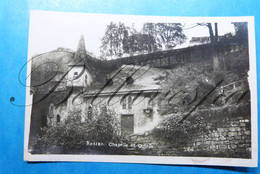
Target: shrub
[[198, 123], [72, 136]]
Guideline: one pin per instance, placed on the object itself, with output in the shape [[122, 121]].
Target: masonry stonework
[[229, 140]]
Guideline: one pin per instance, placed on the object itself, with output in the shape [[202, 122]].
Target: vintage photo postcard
[[141, 89]]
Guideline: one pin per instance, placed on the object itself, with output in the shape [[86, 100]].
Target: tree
[[112, 41], [138, 42], [240, 37], [150, 29], [154, 36], [166, 35], [213, 38], [120, 39], [170, 34], [241, 33]]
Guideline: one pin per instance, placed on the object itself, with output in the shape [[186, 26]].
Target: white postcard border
[[162, 159]]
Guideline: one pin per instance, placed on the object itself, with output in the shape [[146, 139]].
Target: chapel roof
[[80, 54], [144, 78]]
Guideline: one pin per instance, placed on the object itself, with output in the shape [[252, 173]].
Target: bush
[[184, 83], [73, 135], [198, 123]]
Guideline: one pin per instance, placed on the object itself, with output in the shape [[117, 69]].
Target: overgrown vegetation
[[200, 122], [72, 136], [120, 40], [185, 88]]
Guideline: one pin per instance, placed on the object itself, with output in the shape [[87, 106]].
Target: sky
[[50, 30]]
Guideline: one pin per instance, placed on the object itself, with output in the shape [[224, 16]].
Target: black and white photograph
[[141, 89]]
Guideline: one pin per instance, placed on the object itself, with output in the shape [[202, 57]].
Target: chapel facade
[[128, 91]]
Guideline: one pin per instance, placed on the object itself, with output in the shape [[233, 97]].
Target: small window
[[129, 80], [75, 75], [124, 103], [51, 110], [58, 119], [130, 102], [90, 113]]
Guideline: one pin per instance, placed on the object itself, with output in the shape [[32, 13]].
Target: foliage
[[72, 136], [112, 41], [199, 123], [184, 87], [170, 34], [183, 84], [120, 39], [167, 35], [241, 34], [139, 42], [240, 37]]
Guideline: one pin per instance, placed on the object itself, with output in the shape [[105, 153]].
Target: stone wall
[[220, 133], [232, 139], [176, 57]]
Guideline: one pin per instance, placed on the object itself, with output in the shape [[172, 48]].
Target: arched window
[[75, 75], [51, 111], [124, 103], [58, 119]]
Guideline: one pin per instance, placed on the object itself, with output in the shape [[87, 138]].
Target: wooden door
[[127, 124]]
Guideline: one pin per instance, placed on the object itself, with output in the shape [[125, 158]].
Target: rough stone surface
[[231, 140]]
